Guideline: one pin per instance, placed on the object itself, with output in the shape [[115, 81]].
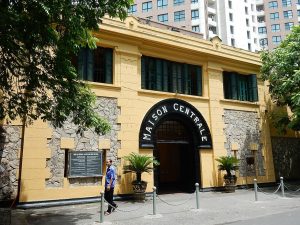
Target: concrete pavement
[[215, 208]]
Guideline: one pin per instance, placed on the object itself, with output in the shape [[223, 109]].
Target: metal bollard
[[197, 195], [282, 187], [255, 189], [154, 200], [102, 207]]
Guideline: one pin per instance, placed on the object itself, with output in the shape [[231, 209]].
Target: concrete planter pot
[[230, 183], [139, 188]]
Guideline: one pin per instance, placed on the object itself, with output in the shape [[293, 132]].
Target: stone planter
[[139, 188], [230, 183]]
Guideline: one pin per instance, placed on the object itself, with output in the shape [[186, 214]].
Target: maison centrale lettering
[[166, 109]]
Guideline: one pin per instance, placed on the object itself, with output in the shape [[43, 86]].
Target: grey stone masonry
[[242, 128], [88, 141], [10, 144], [286, 157]]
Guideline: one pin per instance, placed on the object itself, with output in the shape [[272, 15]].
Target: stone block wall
[[286, 155], [88, 141], [242, 128], [10, 145]]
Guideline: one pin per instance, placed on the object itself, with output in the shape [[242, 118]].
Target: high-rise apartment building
[[275, 20], [234, 21]]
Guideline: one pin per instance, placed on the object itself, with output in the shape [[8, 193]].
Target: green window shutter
[[90, 64], [199, 81], [173, 77], [233, 85], [108, 66], [179, 77], [253, 88], [151, 71], [143, 62], [186, 79], [241, 87], [81, 63], [159, 71], [165, 75]]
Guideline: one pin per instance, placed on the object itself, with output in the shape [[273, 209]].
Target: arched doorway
[[176, 152], [176, 131]]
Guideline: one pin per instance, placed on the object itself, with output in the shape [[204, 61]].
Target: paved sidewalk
[[215, 208]]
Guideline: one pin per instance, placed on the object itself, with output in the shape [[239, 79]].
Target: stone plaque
[[84, 164]]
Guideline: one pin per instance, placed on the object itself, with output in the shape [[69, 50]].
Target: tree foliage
[[228, 163], [281, 68], [139, 164], [37, 41]]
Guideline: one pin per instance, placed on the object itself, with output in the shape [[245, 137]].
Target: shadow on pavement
[[57, 218]]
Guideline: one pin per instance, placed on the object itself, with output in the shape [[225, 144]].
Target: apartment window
[[286, 3], [95, 65], [253, 19], [163, 17], [194, 1], [247, 22], [255, 40], [195, 14], [240, 87], [230, 17], [168, 76], [231, 29], [196, 28], [298, 12], [230, 4], [275, 27], [132, 9], [289, 25], [273, 5], [179, 16], [233, 42], [298, 2], [248, 34], [262, 30], [274, 16], [147, 6], [263, 42], [249, 47], [162, 4], [252, 7], [246, 10], [288, 14], [276, 39], [254, 29], [178, 2]]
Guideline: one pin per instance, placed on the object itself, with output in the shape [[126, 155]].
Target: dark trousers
[[108, 196]]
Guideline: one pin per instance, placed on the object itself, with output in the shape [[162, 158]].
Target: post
[[154, 200], [102, 207], [197, 195], [282, 187], [255, 189]]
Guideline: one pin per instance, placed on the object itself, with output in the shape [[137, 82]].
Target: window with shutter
[[95, 65], [171, 76], [240, 87]]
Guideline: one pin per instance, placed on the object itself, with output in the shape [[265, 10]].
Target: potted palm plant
[[229, 164], [139, 164]]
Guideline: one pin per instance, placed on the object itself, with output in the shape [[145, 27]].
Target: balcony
[[211, 10], [212, 22], [259, 2], [260, 13]]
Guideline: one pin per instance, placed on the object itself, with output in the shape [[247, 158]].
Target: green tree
[[281, 68], [37, 41]]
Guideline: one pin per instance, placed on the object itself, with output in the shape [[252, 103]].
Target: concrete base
[[104, 223], [153, 216]]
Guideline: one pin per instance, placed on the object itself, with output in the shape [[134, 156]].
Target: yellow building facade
[[185, 132]]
